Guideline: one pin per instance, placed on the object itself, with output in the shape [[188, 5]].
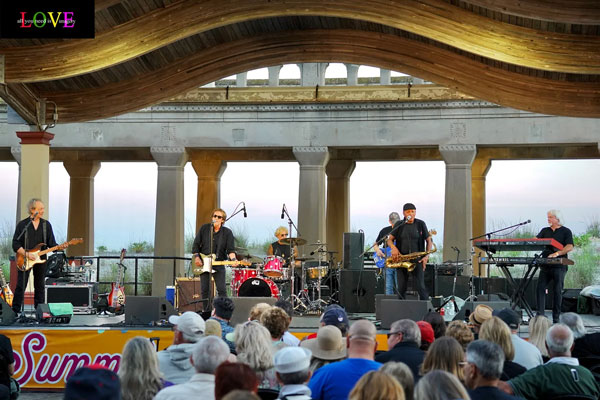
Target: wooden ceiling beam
[[434, 19], [435, 64], [21, 99]]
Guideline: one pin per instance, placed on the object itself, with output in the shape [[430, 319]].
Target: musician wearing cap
[[222, 247], [390, 273], [411, 236], [553, 273]]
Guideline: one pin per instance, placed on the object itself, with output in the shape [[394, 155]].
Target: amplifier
[[83, 296]]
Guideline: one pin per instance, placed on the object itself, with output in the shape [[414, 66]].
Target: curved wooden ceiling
[[148, 51]]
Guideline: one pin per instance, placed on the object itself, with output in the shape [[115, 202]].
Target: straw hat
[[328, 345], [481, 313]]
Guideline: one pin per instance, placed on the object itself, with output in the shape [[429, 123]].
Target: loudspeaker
[[357, 291], [394, 310], [353, 247], [469, 306], [7, 315], [144, 310], [378, 299], [187, 295], [243, 306], [54, 313]]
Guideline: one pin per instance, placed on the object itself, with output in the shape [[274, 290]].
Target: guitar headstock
[[123, 252], [75, 241], [432, 232], [245, 263]]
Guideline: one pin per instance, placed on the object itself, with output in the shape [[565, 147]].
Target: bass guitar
[[209, 261], [25, 264], [380, 261], [116, 297], [5, 291]]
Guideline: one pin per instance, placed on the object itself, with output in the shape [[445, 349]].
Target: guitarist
[[222, 246], [38, 231], [390, 273]]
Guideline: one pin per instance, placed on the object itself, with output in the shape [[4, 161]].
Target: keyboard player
[[554, 274]]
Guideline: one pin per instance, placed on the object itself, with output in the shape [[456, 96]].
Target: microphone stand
[[292, 267], [22, 317]]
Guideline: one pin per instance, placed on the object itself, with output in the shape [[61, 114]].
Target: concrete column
[[338, 202], [311, 198], [274, 75], [352, 74], [34, 176], [209, 185], [81, 205], [457, 205], [16, 153], [385, 77], [241, 79], [479, 171], [312, 74], [169, 224]]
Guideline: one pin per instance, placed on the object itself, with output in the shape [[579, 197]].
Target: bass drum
[[258, 287]]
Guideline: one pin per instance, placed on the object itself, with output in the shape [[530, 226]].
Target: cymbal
[[318, 244], [303, 258], [326, 251], [294, 241], [253, 259], [240, 250]]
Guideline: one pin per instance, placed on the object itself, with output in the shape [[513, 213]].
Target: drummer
[[282, 250]]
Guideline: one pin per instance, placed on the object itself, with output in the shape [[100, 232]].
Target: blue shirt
[[336, 380], [225, 329]]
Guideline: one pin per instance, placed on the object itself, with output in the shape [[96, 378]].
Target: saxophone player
[[411, 236]]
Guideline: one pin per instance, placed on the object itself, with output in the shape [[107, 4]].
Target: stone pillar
[[16, 153], [352, 74], [311, 198], [385, 77], [457, 205], [479, 170], [34, 176], [241, 79], [274, 75], [169, 229], [338, 202], [81, 205], [209, 185], [312, 74]]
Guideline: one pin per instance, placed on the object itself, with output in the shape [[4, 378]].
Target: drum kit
[[275, 276]]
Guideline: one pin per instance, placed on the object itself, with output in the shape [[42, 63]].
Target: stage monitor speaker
[[54, 313], [469, 306], [394, 310], [145, 310], [243, 306], [357, 291], [378, 299], [353, 247], [7, 315]]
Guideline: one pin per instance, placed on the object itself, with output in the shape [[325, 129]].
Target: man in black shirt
[[411, 237], [549, 273], [222, 247], [7, 365], [38, 231], [390, 273]]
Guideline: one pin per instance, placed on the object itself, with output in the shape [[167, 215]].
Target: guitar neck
[[42, 252]]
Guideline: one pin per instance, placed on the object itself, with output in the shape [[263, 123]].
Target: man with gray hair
[[561, 375], [404, 342], [207, 354], [483, 369], [382, 253], [586, 344]]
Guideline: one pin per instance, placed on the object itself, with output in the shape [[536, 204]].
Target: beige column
[[16, 153], [81, 205], [338, 202], [34, 176], [311, 197], [479, 170], [209, 184], [169, 229], [458, 223]]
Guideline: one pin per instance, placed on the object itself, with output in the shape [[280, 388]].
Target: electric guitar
[[380, 261], [25, 264], [5, 291], [116, 297], [209, 261]]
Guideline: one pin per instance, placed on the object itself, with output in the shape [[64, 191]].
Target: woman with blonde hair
[[440, 385], [538, 327], [460, 331], [138, 371], [446, 354], [402, 373], [495, 330], [375, 385], [253, 347]]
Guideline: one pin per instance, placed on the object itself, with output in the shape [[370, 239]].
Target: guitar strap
[[44, 232]]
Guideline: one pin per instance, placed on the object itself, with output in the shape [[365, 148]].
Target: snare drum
[[273, 266], [240, 275], [258, 287], [316, 269]]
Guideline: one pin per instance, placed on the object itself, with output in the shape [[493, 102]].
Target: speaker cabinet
[[187, 295], [394, 310], [357, 291], [83, 296], [469, 306], [7, 315], [144, 310], [243, 306], [378, 299], [353, 247]]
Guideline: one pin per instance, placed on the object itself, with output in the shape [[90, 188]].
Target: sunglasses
[[283, 234], [218, 216], [389, 335]]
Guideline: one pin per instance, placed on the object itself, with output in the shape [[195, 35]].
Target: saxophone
[[408, 261]]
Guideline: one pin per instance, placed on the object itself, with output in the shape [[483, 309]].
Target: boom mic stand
[[294, 299]]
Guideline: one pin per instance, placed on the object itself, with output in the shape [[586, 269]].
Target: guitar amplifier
[[83, 296]]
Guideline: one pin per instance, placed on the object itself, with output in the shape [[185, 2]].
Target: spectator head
[[559, 341], [189, 327], [440, 385], [460, 331], [213, 328], [538, 327], [510, 318], [485, 359], [437, 323], [292, 365], [403, 374], [336, 316], [257, 310], [285, 306], [574, 322], [276, 321], [480, 314], [93, 382], [394, 217], [328, 345], [223, 307], [404, 330], [253, 345], [427, 335], [445, 354], [138, 370], [375, 385], [240, 395], [208, 354], [362, 339], [234, 376], [495, 330]]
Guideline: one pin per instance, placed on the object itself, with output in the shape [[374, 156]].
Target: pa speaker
[[243, 306], [144, 310], [378, 299], [394, 310], [469, 306], [353, 248], [357, 291], [7, 315]]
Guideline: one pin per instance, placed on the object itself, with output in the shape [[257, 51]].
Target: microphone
[[456, 249], [282, 210], [214, 221], [526, 222], [245, 213], [318, 247], [35, 214]]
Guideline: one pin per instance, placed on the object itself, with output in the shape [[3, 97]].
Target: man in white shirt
[[526, 354]]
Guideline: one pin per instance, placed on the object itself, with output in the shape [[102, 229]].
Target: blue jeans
[[390, 280]]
